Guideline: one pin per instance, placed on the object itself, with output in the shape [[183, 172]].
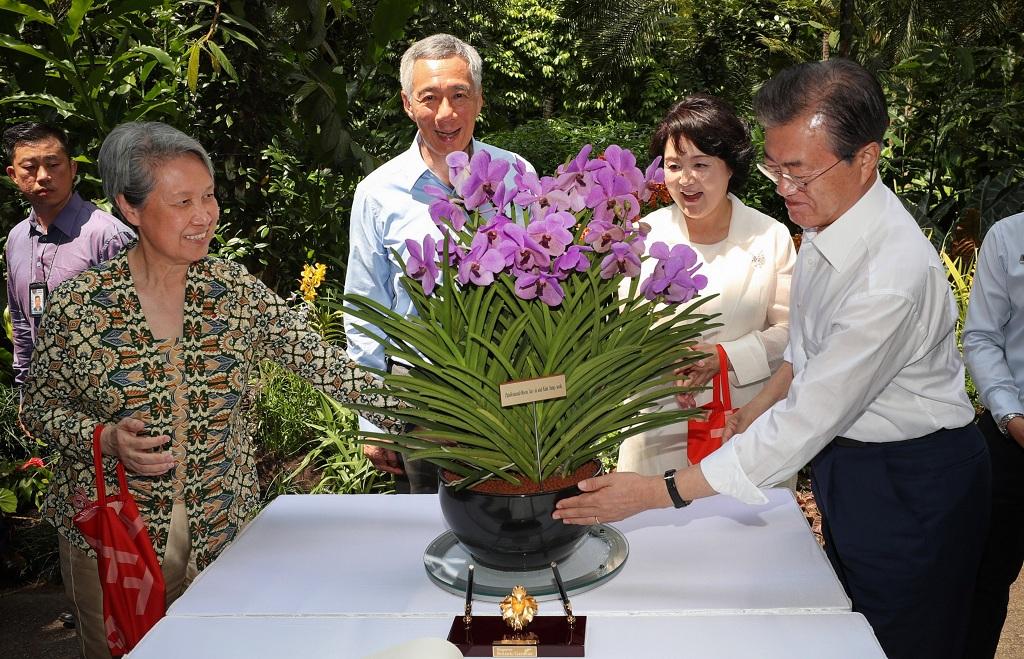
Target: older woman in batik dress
[[157, 345]]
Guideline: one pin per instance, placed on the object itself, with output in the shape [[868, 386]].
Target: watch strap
[[673, 492], [1005, 421]]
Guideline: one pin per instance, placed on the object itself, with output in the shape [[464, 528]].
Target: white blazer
[[751, 271]]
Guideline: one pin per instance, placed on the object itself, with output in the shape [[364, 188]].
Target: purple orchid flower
[[601, 234], [542, 195], [521, 251], [653, 175], [674, 275], [448, 211], [575, 180], [484, 177], [575, 258], [577, 164], [623, 259], [480, 265], [492, 231], [612, 196], [421, 265], [455, 252], [458, 168], [503, 198], [551, 232], [530, 285], [622, 163]]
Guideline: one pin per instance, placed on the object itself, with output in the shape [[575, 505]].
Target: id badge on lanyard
[[37, 294]]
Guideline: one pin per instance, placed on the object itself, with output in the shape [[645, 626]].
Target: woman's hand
[[699, 373], [136, 451], [612, 497], [738, 421]]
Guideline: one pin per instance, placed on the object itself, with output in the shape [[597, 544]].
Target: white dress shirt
[[750, 272], [872, 344], [994, 331], [390, 205]]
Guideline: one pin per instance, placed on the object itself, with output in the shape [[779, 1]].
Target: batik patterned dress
[[96, 362]]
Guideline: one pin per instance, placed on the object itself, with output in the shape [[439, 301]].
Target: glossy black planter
[[510, 531]]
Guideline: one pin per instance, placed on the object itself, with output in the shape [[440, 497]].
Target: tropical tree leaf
[[29, 12], [192, 77], [76, 14]]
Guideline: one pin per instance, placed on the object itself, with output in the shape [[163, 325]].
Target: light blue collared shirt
[[994, 332], [390, 206]]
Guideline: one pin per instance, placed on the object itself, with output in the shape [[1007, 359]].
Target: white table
[[765, 636], [362, 555], [343, 576]]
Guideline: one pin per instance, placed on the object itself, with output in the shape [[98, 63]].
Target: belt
[[856, 443]]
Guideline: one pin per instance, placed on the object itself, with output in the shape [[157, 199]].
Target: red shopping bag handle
[[722, 396], [97, 460]]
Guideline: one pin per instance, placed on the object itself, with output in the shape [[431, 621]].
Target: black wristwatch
[[673, 492]]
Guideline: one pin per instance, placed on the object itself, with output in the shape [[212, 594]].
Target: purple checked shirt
[[80, 237]]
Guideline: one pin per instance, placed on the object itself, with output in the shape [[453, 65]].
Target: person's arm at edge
[[984, 340], [651, 491], [291, 343], [21, 329]]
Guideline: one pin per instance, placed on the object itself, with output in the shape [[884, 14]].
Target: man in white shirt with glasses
[[871, 391]]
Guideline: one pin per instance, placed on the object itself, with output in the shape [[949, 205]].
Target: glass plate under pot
[[599, 557]]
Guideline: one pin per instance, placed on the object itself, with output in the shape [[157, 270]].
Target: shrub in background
[[547, 143]]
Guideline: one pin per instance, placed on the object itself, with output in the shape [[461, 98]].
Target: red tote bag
[[133, 584], [704, 434]]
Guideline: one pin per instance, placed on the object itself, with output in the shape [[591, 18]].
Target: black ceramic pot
[[510, 531]]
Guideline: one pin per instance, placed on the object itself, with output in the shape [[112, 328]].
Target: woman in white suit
[[748, 260]]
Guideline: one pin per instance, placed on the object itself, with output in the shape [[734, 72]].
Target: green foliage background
[[298, 99]]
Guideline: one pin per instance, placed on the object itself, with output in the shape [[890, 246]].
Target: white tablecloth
[[362, 555], [780, 636]]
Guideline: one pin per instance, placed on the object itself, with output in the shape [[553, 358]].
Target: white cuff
[[747, 358], [724, 474]]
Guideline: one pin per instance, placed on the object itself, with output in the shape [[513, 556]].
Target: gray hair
[[131, 153], [846, 97], [440, 46]]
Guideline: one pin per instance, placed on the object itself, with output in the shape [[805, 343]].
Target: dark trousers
[[1004, 549], [904, 524], [420, 477]]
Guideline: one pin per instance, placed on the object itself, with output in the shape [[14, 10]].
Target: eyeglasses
[[799, 182]]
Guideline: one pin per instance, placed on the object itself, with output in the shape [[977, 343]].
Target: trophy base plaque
[[546, 636]]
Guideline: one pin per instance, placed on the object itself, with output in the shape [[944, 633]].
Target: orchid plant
[[538, 279]]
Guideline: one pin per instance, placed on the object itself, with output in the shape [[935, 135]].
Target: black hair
[[711, 124], [848, 98], [32, 131]]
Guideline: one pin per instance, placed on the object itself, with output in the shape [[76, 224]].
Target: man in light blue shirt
[[441, 93], [994, 351]]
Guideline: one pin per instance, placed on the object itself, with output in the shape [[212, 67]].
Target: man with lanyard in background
[[62, 235]]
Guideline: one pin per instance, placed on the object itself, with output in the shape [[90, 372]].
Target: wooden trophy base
[[545, 636]]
